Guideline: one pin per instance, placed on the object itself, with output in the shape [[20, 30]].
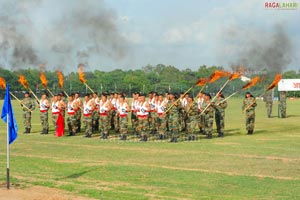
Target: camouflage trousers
[[95, 119], [269, 108], [44, 120], [201, 122], [134, 121], [182, 120], [123, 123], [54, 120], [220, 121], [78, 119], [191, 124], [87, 120], [143, 126], [282, 109], [104, 124], [72, 125], [151, 120], [27, 119], [208, 123], [161, 124], [114, 120], [173, 122], [250, 119]]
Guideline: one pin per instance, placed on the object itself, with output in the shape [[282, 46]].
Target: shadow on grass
[[77, 175]]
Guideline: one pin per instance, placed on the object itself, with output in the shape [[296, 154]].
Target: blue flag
[[7, 110]]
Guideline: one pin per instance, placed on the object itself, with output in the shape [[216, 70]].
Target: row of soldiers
[[161, 114]]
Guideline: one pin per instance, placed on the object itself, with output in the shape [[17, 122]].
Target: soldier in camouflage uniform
[[44, 107], [207, 111], [249, 105], [78, 111], [282, 104], [173, 108], [95, 115], [190, 116], [88, 107], [122, 111], [201, 123], [161, 117], [143, 109], [134, 119], [269, 102], [220, 105], [104, 120], [71, 110], [29, 103]]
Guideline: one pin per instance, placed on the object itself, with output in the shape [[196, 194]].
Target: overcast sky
[[130, 34]]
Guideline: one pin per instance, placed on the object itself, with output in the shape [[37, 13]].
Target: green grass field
[[265, 165]]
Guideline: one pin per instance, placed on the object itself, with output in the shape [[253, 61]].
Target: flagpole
[[7, 168]]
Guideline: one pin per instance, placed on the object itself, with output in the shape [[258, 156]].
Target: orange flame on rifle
[[201, 81], [277, 78], [251, 83], [23, 81], [234, 76], [2, 83], [216, 75], [43, 79], [60, 79], [81, 74]]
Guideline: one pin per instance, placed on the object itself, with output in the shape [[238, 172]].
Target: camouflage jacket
[[220, 105], [29, 103], [191, 109], [249, 104]]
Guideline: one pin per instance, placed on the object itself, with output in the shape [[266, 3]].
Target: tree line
[[159, 78]]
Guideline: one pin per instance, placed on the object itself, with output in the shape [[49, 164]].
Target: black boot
[[28, 130], [43, 131], [193, 137], [104, 136], [46, 131], [221, 134], [208, 136], [124, 137]]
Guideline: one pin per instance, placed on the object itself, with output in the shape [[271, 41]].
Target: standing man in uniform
[[249, 105], [220, 106], [134, 119], [44, 107], [78, 111], [282, 104], [201, 123], [104, 120], [191, 115], [207, 111], [123, 109], [143, 109], [173, 116], [71, 120], [88, 108], [95, 115], [161, 117], [29, 103], [269, 102]]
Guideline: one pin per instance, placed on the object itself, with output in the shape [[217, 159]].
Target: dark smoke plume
[[58, 33], [258, 49]]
